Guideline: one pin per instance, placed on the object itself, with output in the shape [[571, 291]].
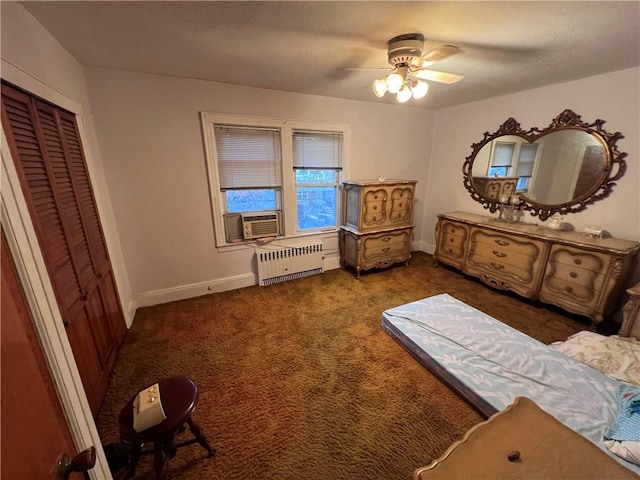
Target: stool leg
[[160, 460], [133, 460], [197, 432]]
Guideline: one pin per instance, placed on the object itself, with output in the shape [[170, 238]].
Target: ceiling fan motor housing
[[405, 49]]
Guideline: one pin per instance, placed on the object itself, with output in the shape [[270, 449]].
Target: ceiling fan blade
[[439, 53], [436, 76], [383, 69]]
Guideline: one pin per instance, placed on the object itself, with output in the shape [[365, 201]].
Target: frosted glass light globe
[[420, 89], [404, 94], [394, 82], [379, 87]]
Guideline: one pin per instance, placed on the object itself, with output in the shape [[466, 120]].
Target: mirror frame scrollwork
[[615, 166]]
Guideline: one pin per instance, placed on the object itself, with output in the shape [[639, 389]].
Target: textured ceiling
[[304, 46]]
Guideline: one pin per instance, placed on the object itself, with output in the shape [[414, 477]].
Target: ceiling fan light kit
[[406, 54]]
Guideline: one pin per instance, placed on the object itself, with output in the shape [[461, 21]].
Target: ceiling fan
[[409, 69]]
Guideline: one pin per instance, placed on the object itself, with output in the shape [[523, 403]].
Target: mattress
[[490, 364]]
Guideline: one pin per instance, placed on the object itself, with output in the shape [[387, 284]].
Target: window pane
[[317, 149], [316, 207], [523, 184], [502, 154], [248, 157], [527, 157], [251, 200], [315, 176], [498, 171]]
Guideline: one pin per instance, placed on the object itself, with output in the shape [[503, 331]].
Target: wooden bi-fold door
[[45, 144]]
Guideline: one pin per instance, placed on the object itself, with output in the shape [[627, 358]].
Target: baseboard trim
[[424, 247], [182, 292]]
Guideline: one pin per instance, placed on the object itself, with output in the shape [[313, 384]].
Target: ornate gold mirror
[[559, 169]]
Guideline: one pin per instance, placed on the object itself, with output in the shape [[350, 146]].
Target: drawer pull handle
[[569, 289], [375, 207], [497, 266], [577, 261], [386, 249], [499, 254], [400, 205], [451, 240], [502, 243], [386, 239], [573, 274]]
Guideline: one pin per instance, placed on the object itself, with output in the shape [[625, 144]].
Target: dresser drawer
[[489, 242], [401, 205], [386, 245], [373, 214], [568, 292], [452, 242], [478, 263], [506, 261], [585, 260], [575, 277]]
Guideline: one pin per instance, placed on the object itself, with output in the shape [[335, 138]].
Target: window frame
[[288, 205]]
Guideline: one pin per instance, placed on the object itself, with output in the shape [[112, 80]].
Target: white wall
[[35, 61], [614, 97], [152, 147]]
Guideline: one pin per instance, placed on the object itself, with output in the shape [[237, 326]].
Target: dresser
[[631, 314], [378, 223], [582, 275], [495, 187]]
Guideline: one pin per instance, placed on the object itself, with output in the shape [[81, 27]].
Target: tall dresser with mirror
[[378, 223]]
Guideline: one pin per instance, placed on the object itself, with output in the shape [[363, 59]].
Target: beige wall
[[152, 146], [614, 97]]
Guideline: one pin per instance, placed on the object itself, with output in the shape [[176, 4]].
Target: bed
[[491, 364]]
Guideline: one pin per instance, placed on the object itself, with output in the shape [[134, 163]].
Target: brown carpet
[[299, 381]]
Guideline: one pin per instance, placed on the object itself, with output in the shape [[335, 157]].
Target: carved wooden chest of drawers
[[492, 187], [378, 223], [582, 275]]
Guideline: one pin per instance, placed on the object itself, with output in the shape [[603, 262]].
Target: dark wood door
[[34, 429], [45, 144]]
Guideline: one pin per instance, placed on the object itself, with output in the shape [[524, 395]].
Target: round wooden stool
[[179, 396]]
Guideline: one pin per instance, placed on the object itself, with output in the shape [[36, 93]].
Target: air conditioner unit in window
[[263, 224]]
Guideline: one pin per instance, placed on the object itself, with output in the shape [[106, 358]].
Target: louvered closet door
[[45, 144]]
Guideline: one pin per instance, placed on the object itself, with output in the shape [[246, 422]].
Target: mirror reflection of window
[[514, 159], [501, 159], [525, 165]]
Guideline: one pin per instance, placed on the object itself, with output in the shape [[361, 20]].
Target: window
[[526, 162], [250, 167], [501, 159], [317, 161], [514, 159], [292, 169]]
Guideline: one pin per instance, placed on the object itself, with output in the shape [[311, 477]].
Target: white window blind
[[502, 154], [526, 159], [317, 150], [248, 157]]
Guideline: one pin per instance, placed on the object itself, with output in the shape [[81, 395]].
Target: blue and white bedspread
[[500, 363]]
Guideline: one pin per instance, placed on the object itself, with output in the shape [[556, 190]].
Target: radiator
[[279, 264]]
